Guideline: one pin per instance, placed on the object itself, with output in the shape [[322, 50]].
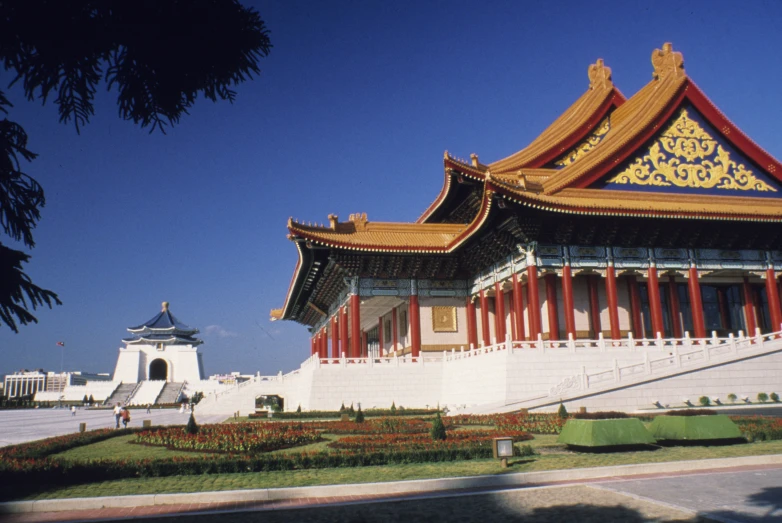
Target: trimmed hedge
[[336, 414], [713, 428], [601, 415], [691, 412], [605, 433]]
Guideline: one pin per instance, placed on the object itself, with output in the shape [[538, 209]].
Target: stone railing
[[386, 361]]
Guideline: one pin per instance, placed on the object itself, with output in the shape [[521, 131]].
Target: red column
[[635, 306], [567, 301], [749, 307], [655, 305], [696, 304], [512, 315], [380, 337], [394, 330], [472, 327], [343, 332], [364, 345], [773, 300], [533, 302], [415, 326], [335, 336], [486, 335], [673, 300], [355, 326], [312, 345], [613, 303], [551, 305], [518, 305], [499, 312], [321, 337], [594, 305]]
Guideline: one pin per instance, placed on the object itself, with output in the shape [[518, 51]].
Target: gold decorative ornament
[[591, 141], [444, 319], [671, 161], [666, 62], [599, 75]]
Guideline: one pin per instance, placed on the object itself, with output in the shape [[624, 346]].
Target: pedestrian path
[[20, 426], [605, 487]]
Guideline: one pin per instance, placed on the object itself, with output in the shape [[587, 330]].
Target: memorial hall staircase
[[122, 394], [170, 393]]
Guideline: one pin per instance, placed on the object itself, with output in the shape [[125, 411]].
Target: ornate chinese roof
[[665, 153], [163, 328]]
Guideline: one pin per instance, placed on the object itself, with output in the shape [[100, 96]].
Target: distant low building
[[28, 383]]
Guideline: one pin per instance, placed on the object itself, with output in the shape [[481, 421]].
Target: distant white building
[[29, 383], [162, 349]]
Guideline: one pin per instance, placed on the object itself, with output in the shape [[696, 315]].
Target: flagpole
[[62, 356]]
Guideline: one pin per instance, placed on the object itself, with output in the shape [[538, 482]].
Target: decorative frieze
[[406, 287]]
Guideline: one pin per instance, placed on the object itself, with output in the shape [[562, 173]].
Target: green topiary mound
[[192, 427], [438, 428], [682, 429], [605, 434]]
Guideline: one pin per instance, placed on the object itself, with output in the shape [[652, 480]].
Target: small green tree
[[342, 408], [298, 409], [762, 397], [359, 415], [732, 398], [192, 426], [774, 397], [393, 408], [562, 412], [704, 401], [438, 429], [351, 410], [85, 399]]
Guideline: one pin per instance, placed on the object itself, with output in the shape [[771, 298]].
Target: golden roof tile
[[583, 115]]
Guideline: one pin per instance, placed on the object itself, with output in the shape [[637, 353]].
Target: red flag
[[61, 344]]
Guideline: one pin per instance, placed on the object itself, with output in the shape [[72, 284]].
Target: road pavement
[[19, 426]]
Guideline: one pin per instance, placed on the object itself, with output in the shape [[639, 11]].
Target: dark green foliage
[[562, 412], [85, 399], [359, 415], [91, 400], [351, 410], [732, 398], [197, 397], [704, 401], [601, 415], [523, 450], [147, 52], [393, 408], [438, 428], [298, 409], [774, 397], [762, 397], [192, 427], [691, 412], [342, 408]]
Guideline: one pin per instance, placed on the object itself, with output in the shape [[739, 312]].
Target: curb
[[393, 487]]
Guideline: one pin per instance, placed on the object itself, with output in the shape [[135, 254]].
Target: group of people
[[121, 414]]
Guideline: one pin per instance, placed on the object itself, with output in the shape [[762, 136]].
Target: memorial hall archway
[[158, 370]]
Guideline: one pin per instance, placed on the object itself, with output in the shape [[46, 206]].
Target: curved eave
[[555, 204], [173, 340], [296, 279], [563, 134], [453, 167], [173, 331]]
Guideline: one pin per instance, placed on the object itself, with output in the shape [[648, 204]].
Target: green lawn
[[552, 457]]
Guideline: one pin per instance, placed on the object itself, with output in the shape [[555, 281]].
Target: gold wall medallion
[[685, 155], [444, 319], [591, 141]]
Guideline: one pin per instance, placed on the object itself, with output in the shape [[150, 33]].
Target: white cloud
[[218, 330]]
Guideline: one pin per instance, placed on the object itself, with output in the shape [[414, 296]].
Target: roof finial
[[599, 75], [666, 62], [165, 306]]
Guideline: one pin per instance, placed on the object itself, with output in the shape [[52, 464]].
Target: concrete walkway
[[20, 426], [731, 474]]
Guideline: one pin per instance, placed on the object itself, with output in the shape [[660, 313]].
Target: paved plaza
[[19, 426]]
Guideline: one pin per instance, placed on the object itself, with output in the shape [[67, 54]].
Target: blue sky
[[353, 110]]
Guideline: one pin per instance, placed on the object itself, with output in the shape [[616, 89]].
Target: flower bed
[[249, 438], [378, 426], [406, 442], [336, 414], [757, 428]]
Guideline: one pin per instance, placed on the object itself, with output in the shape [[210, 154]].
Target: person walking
[[117, 414], [125, 414], [149, 406], [73, 410]]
